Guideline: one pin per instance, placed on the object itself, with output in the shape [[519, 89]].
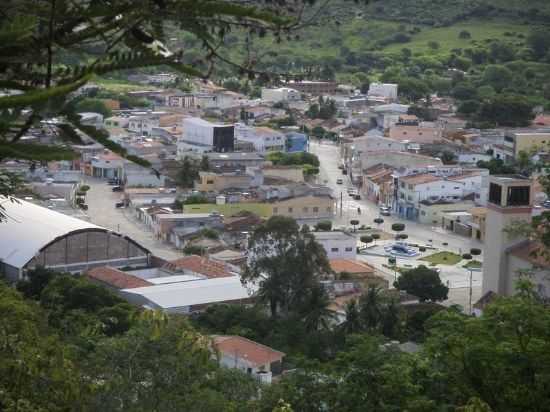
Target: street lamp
[[468, 256]]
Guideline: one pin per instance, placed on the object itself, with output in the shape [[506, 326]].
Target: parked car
[[341, 167], [117, 189], [339, 181], [113, 182], [385, 211], [344, 171], [357, 197], [546, 204], [119, 205]]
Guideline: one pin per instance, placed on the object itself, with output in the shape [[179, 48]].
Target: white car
[[339, 181]]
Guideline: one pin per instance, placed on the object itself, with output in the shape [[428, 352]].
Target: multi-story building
[[281, 94], [507, 255], [234, 161], [313, 87], [264, 139], [143, 123], [202, 136], [385, 90], [414, 189], [517, 142]]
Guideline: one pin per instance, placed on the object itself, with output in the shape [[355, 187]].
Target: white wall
[[345, 248]]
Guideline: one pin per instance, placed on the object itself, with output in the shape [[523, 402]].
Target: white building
[[264, 139], [281, 94], [34, 236], [338, 245], [143, 124], [386, 90], [203, 136], [91, 119], [414, 189], [257, 360], [135, 175]]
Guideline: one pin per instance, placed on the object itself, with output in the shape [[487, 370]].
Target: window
[[456, 187], [403, 185], [290, 210], [209, 182], [306, 209], [275, 210], [401, 195], [410, 187], [495, 193], [349, 249], [518, 196], [334, 249], [423, 213], [455, 197], [316, 210], [420, 133], [409, 198]]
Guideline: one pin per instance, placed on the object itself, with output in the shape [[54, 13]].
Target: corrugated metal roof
[[29, 228], [175, 295]]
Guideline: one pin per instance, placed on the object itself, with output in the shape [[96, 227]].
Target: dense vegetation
[[69, 345]]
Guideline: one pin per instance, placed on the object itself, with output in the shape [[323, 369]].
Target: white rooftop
[[174, 279], [201, 122], [335, 235], [175, 295], [29, 228]]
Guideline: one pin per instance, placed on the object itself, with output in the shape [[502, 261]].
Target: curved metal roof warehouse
[[32, 235]]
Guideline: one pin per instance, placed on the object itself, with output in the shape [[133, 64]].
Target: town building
[[34, 236], [296, 142], [281, 94], [168, 227], [338, 245], [203, 136], [305, 207], [385, 90], [414, 189], [252, 358], [315, 88], [431, 212], [264, 139], [508, 254], [234, 161], [358, 271], [217, 182], [516, 142], [414, 133]]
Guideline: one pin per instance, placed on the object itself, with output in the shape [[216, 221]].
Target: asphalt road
[[102, 212], [456, 277]]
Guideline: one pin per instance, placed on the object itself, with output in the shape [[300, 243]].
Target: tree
[[352, 323], [468, 107], [323, 226], [464, 34], [539, 41], [366, 239], [188, 173], [507, 110], [286, 263], [497, 76], [92, 105], [205, 164], [397, 227], [474, 349], [354, 223], [496, 167], [370, 305], [423, 283], [413, 89]]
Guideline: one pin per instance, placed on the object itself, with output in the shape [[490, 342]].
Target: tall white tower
[[510, 200]]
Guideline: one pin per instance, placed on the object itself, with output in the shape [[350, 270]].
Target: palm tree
[[352, 324], [390, 319], [317, 315], [371, 307]]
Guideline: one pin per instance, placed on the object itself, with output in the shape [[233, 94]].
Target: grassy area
[[119, 86], [473, 264], [442, 258], [230, 209], [448, 37]]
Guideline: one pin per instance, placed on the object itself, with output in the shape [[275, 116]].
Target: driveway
[[101, 209]]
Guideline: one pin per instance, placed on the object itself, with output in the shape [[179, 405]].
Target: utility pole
[[341, 203], [471, 284]]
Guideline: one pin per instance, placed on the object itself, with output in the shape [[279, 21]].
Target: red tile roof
[[350, 266], [201, 265], [116, 278], [253, 352]]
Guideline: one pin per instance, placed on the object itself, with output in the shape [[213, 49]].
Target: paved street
[[457, 277], [101, 209]]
